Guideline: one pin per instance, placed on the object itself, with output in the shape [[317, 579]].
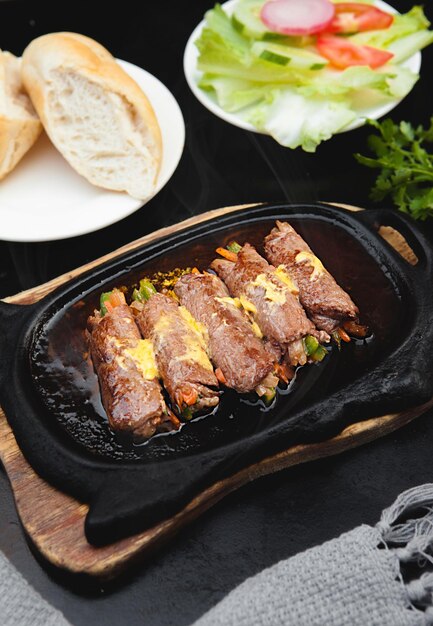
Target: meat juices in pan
[[131, 397], [180, 345], [272, 298], [234, 348], [325, 302]]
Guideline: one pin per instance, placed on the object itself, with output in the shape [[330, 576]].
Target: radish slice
[[297, 17]]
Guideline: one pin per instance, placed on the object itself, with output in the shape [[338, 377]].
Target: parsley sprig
[[406, 164]]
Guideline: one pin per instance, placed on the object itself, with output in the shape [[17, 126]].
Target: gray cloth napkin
[[20, 604], [354, 580]]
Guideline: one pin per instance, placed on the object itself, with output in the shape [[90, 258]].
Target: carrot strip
[[358, 330], [345, 337], [195, 270], [227, 254], [117, 298], [281, 370], [190, 396], [220, 376], [178, 398], [173, 418]]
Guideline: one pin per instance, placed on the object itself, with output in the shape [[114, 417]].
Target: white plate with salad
[[341, 64]]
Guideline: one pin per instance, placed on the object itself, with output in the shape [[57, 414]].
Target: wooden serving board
[[55, 521]]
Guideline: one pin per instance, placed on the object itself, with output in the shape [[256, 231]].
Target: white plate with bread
[[109, 143]]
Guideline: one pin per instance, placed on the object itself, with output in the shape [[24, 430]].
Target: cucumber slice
[[288, 55], [246, 19]]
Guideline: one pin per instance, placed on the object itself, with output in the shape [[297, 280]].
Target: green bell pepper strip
[[145, 291], [233, 246], [103, 299]]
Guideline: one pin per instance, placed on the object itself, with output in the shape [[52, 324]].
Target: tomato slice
[[354, 17], [341, 53]]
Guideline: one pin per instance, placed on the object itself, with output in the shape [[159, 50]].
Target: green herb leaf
[[404, 155]]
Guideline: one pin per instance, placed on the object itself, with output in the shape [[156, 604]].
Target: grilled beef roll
[[128, 378], [242, 361], [180, 347], [270, 296], [326, 303]]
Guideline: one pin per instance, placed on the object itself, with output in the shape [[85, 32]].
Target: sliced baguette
[[93, 112], [19, 124]]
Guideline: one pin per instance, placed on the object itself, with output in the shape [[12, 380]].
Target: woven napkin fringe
[[415, 535], [415, 540], [354, 580]]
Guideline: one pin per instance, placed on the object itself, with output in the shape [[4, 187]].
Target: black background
[[276, 516]]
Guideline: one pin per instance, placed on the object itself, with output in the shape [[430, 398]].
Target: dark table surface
[[276, 516]]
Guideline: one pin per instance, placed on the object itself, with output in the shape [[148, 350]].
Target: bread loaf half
[[93, 112], [19, 124]]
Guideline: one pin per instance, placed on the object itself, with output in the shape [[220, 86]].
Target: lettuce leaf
[[403, 25], [336, 83], [234, 94], [219, 34], [400, 81], [224, 51], [294, 120], [391, 81], [407, 46]]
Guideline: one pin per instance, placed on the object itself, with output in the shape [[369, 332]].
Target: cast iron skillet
[[49, 391]]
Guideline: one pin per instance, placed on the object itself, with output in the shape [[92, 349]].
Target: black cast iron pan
[[49, 391]]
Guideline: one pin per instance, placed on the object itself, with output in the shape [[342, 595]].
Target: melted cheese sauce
[[196, 353], [247, 305], [287, 280], [195, 342], [249, 308], [197, 327], [273, 293], [232, 301], [312, 260], [239, 303], [144, 358], [162, 325], [120, 360], [257, 330]]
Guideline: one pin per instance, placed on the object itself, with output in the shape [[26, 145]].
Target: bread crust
[[71, 52], [19, 128]]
